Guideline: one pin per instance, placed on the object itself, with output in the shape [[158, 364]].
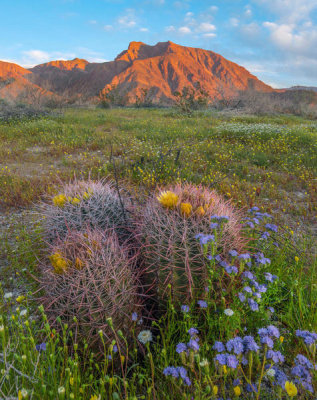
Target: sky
[[274, 39]]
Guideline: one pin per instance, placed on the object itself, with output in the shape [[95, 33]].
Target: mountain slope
[[163, 69]]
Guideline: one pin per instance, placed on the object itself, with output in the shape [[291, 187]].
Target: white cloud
[[33, 57], [107, 28], [292, 39], [209, 35], [30, 58], [213, 9], [234, 22], [248, 11], [92, 22], [144, 30], [251, 30], [184, 30], [170, 28], [128, 20], [290, 11], [206, 27]]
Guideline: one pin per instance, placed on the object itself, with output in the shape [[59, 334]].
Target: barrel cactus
[[173, 257], [86, 279], [86, 205]]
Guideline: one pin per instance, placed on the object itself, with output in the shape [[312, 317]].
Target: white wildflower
[[229, 312], [145, 336]]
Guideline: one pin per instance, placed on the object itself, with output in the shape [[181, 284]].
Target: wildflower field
[[149, 255]]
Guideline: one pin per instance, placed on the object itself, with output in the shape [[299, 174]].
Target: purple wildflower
[[232, 361], [221, 359], [271, 227], [193, 331], [214, 225], [181, 347], [202, 304], [250, 344], [233, 253], [193, 344], [218, 346], [242, 297], [185, 308], [275, 356], [204, 239], [253, 305], [309, 337], [134, 316], [235, 345], [41, 347]]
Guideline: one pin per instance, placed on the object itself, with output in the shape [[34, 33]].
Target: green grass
[[266, 161], [271, 161]]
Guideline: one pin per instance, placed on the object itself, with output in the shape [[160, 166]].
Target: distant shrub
[[112, 96], [191, 98], [86, 205], [169, 228], [86, 279], [20, 111]]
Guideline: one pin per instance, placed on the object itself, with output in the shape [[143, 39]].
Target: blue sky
[[274, 39]]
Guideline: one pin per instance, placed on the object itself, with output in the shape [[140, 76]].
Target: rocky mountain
[[162, 69], [307, 88]]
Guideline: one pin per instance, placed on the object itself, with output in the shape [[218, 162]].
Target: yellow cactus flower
[[215, 390], [59, 200], [168, 199], [291, 389], [19, 299], [78, 263], [86, 196], [186, 209], [75, 201], [237, 390], [59, 263], [200, 211]]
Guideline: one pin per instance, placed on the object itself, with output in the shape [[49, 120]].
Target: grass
[[266, 161]]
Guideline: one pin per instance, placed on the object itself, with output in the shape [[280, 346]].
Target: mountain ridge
[[162, 69]]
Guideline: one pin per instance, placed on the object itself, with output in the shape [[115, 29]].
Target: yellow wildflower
[[168, 199], [281, 339], [225, 370], [200, 211], [71, 381], [95, 397], [19, 299], [296, 259], [237, 390], [75, 201], [215, 390], [59, 263], [59, 200], [290, 389], [186, 209]]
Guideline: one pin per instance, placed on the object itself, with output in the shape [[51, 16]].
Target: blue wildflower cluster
[[191, 345], [178, 372]]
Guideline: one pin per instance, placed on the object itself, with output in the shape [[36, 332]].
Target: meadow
[[217, 341]]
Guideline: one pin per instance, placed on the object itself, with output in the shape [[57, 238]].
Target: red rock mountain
[[163, 69]]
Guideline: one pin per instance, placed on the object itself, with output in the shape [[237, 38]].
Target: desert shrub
[[111, 96], [86, 205], [191, 98], [86, 279], [169, 228]]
